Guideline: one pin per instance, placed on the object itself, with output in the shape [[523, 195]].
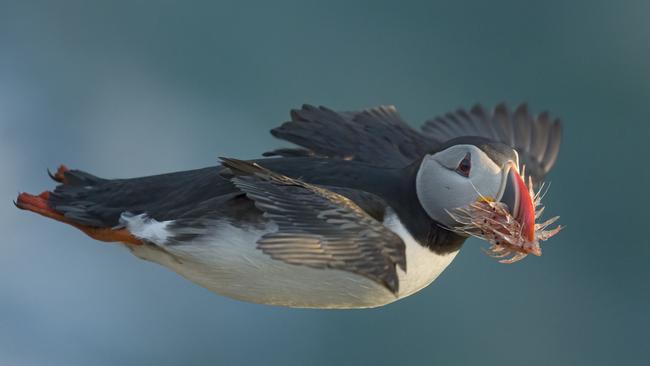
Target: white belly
[[227, 262]]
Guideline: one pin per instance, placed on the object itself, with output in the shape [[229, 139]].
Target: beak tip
[[523, 206]]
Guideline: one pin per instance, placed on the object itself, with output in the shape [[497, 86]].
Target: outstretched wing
[[536, 139], [378, 136], [317, 227]]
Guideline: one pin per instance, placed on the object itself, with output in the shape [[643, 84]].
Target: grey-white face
[[458, 176]]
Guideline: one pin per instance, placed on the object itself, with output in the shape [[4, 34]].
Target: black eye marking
[[465, 165]]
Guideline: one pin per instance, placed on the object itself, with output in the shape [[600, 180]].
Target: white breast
[[227, 262], [422, 265]]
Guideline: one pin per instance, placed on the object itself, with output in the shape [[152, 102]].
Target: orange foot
[[59, 176], [39, 205]]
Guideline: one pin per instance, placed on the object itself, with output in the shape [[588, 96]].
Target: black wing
[[378, 136], [192, 196], [318, 227], [536, 139]]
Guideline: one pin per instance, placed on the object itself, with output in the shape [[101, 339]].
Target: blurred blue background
[[131, 88]]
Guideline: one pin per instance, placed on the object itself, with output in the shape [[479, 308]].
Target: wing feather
[[318, 227], [537, 140], [376, 135], [380, 137]]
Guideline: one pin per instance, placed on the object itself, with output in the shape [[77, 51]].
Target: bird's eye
[[465, 166]]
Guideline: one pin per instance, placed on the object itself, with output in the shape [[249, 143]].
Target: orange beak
[[518, 198]]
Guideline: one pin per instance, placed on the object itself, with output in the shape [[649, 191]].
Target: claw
[[59, 176], [49, 172]]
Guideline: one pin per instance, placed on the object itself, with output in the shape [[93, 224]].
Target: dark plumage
[[328, 198], [380, 137]]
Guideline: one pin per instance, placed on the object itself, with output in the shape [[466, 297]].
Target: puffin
[[362, 211]]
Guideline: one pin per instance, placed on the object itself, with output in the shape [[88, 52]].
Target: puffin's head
[[473, 186]]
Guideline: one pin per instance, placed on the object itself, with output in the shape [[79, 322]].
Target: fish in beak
[[509, 224]]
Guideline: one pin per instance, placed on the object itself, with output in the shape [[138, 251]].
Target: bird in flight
[[364, 211]]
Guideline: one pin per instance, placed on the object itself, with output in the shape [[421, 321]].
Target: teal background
[[131, 88]]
